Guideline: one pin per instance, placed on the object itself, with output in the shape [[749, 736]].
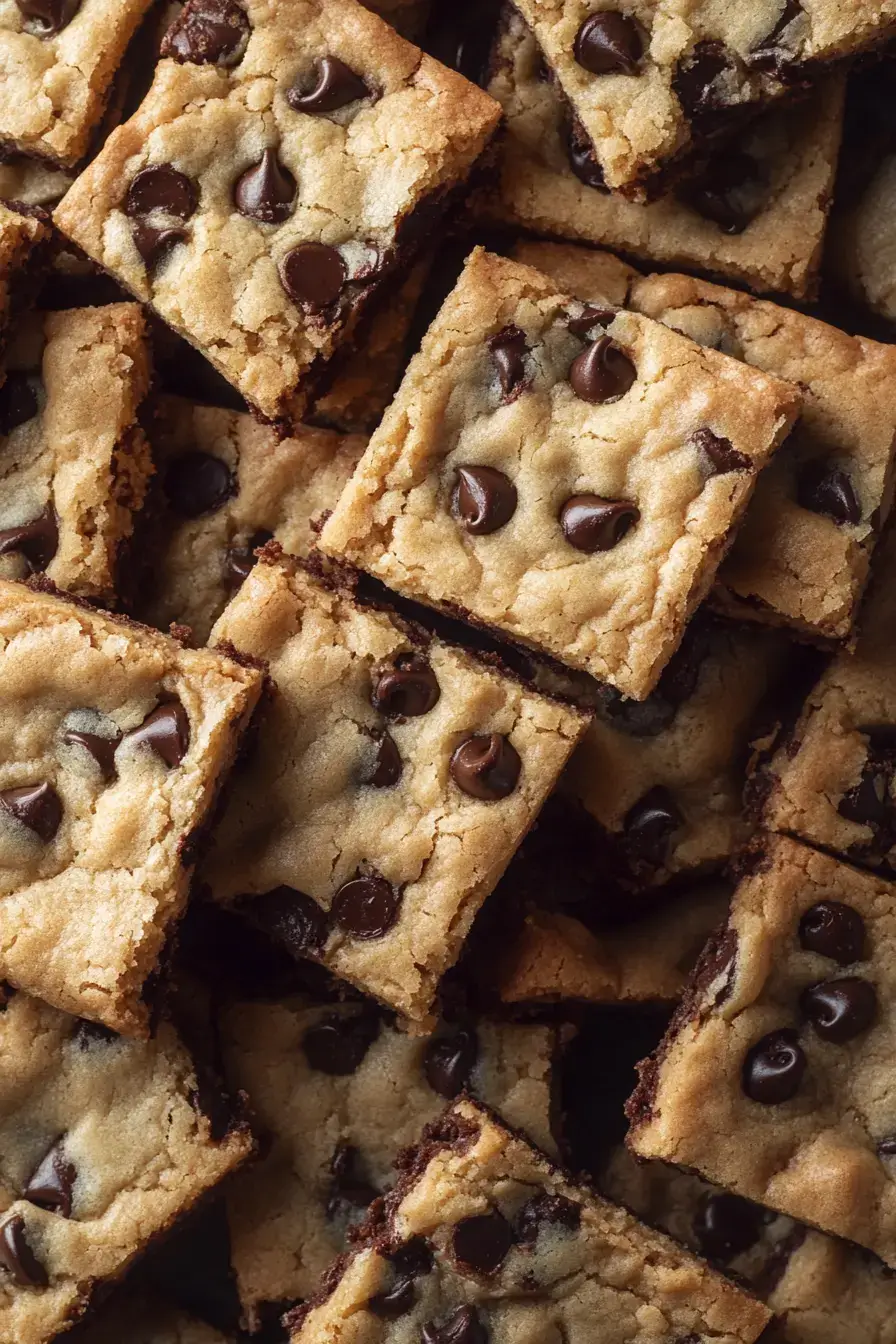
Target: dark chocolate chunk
[[208, 32], [166, 730], [52, 1183], [161, 187], [840, 1010], [37, 806], [822, 488], [582, 159], [412, 1259], [102, 749], [153, 244], [290, 917], [650, 825], [774, 1068], [313, 275], [366, 907], [609, 43], [350, 1184], [463, 1326], [406, 690], [868, 802], [481, 1243], [241, 560], [833, 930], [387, 768], [694, 80], [720, 453], [589, 318], [483, 499], [47, 17], [726, 191], [449, 1061], [395, 1301], [887, 1147], [37, 541], [726, 1225], [18, 402], [486, 767], [593, 524], [198, 483], [336, 85], [546, 1210], [266, 191], [337, 1045], [509, 352], [461, 36], [16, 1255], [602, 373]]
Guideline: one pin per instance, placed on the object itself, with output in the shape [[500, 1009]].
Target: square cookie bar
[[484, 1239], [342, 144], [105, 1144], [769, 1079], [114, 741], [226, 485], [74, 461], [757, 212], [566, 474], [339, 1091], [649, 85], [393, 779], [59, 58]]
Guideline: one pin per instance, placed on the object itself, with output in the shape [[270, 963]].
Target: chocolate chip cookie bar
[[144, 1322], [74, 461], [114, 741], [483, 1239], [769, 1079], [339, 1091], [59, 59], [392, 781], [756, 213], [343, 144], [105, 1143], [224, 486], [566, 474]]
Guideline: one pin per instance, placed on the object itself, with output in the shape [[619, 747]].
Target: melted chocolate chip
[[166, 730], [768, 54], [52, 1183], [289, 917], [461, 1327], [102, 749], [486, 767], [609, 43], [37, 541], [406, 690], [650, 825], [726, 1225], [509, 352], [589, 318], [483, 499], [774, 1068], [412, 1259], [198, 483], [593, 524], [266, 191], [48, 16], [582, 159], [449, 1061], [154, 244], [602, 373], [824, 489], [337, 1045], [395, 1301], [241, 560], [336, 86], [161, 187], [16, 1255], [313, 275], [481, 1243], [887, 1147], [840, 1010], [868, 802], [725, 193], [37, 806], [720, 453], [695, 78], [366, 907], [387, 768], [209, 32], [350, 1185], [546, 1210], [833, 930], [18, 402]]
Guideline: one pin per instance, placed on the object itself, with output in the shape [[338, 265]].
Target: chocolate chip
[[602, 373], [37, 541], [868, 802], [198, 483], [694, 80], [160, 187], [51, 1185], [582, 159], [48, 16], [166, 730], [290, 917], [102, 749], [725, 192], [387, 768], [460, 36], [482, 1242], [483, 499], [336, 86], [16, 1255], [833, 930], [463, 1326], [589, 318], [18, 402], [720, 453], [87, 1033], [726, 1225], [365, 907], [509, 352], [406, 690], [241, 560], [768, 54], [486, 767], [887, 1147], [824, 489], [153, 244], [350, 1185], [337, 1045], [650, 824], [449, 1061], [840, 1010], [546, 1210], [609, 43], [412, 1259], [313, 275], [37, 806], [593, 524], [208, 32], [266, 191], [395, 1301], [774, 1068]]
